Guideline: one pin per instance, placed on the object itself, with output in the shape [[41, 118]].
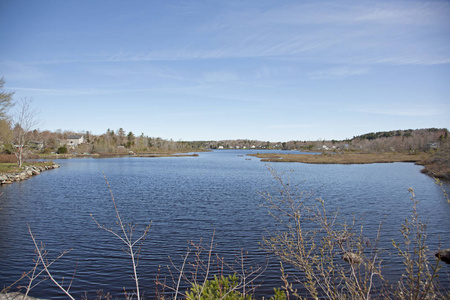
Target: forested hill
[[443, 133], [401, 140]]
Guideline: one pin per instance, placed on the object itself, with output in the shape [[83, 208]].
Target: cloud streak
[[338, 73], [373, 33]]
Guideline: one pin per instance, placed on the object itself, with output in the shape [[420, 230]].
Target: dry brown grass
[[14, 168], [7, 158], [344, 158], [438, 164]]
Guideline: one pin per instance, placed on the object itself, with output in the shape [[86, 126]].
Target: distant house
[[39, 145], [75, 140], [432, 146]]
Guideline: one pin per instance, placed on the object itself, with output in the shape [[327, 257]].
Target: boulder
[[16, 295], [13, 177], [444, 255], [26, 173], [352, 258]]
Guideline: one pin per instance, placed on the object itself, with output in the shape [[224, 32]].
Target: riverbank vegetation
[[436, 161], [19, 135], [428, 147], [8, 164], [342, 158]]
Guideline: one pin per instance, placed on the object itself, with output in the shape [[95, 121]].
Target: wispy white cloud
[[21, 71], [406, 12], [344, 32], [220, 76], [365, 33], [338, 73], [87, 91]]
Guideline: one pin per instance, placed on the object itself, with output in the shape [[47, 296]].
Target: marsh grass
[[342, 158]]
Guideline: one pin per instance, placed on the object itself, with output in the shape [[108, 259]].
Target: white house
[[75, 140]]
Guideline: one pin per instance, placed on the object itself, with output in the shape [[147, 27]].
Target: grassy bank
[[343, 158], [436, 164], [14, 168]]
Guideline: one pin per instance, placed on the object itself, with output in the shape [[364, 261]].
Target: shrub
[[8, 149], [48, 151], [62, 150], [334, 260], [218, 288]]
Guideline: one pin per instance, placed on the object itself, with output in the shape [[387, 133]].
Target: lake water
[[189, 198]]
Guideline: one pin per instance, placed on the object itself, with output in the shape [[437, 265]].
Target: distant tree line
[[19, 135]]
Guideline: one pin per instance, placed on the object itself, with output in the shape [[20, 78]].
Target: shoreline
[[342, 158], [27, 172], [359, 158], [134, 154]]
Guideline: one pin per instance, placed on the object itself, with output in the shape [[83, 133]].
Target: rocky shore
[[26, 173], [16, 296]]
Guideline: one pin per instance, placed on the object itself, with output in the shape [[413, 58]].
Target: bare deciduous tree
[[25, 120]]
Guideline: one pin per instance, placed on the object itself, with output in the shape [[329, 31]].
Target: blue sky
[[212, 70]]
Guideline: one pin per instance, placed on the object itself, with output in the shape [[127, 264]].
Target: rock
[[16, 295], [25, 174], [352, 258], [13, 177], [444, 255]]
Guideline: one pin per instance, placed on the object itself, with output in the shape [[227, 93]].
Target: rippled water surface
[[188, 198]]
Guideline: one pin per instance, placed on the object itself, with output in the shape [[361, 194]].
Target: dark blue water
[[189, 199]]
